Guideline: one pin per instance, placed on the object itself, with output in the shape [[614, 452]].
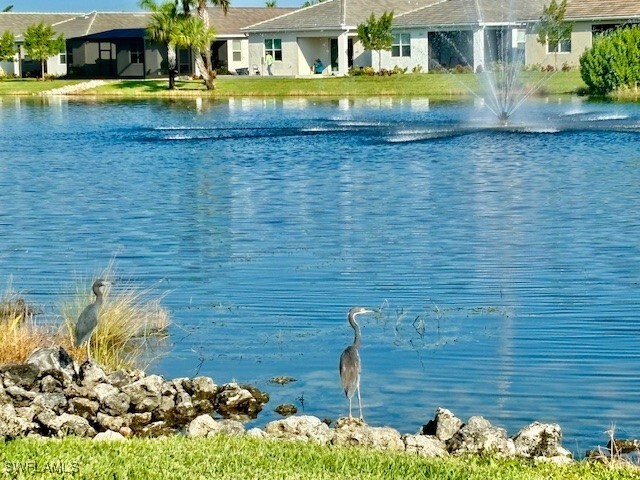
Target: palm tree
[[162, 28], [203, 56]]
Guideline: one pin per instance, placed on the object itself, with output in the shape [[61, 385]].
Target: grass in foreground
[[249, 458]]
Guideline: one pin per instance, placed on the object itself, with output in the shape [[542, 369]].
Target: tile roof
[[414, 13], [73, 25], [603, 9]]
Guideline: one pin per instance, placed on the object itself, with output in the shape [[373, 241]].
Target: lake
[[505, 261]]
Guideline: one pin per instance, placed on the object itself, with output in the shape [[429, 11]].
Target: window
[[401, 46], [274, 47], [63, 57], [137, 52], [236, 47], [563, 46]]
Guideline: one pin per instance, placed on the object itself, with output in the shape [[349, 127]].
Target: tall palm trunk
[[171, 58], [205, 57]]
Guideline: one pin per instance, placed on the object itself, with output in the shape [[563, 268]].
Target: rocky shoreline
[[50, 395]]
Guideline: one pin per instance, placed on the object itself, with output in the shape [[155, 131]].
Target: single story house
[[113, 45], [428, 34], [589, 18]]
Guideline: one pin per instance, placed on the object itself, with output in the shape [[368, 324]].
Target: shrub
[[613, 61], [417, 69]]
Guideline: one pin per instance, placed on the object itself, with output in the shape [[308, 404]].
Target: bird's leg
[[359, 403], [349, 407], [88, 348]]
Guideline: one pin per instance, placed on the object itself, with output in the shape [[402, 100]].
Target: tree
[[203, 55], [376, 34], [270, 3], [175, 29], [8, 8], [613, 62], [162, 28], [7, 46], [552, 29], [40, 43]]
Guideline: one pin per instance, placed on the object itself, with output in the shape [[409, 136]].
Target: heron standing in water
[[350, 365], [88, 319]]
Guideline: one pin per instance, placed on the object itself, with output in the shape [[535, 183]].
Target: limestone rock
[[116, 404], [12, 425], [19, 396], [91, 374], [145, 393], [444, 425], [55, 361], [83, 407], [50, 384], [67, 424], [20, 375], [425, 445], [479, 436], [201, 426], [352, 431], [256, 433], [540, 440], [108, 435], [303, 427], [234, 401]]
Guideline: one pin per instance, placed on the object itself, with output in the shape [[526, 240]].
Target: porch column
[[478, 49], [343, 62]]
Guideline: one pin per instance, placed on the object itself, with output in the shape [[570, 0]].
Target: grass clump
[[19, 333], [248, 458], [129, 320]]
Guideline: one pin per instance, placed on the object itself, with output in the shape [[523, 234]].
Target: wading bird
[[350, 360], [88, 319]]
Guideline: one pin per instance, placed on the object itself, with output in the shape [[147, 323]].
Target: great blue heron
[[88, 319], [350, 360]]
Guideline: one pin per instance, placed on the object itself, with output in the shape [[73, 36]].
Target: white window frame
[[236, 50], [401, 41], [563, 46], [276, 53]]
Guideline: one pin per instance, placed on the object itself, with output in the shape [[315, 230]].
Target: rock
[[26, 413], [4, 398], [234, 401], [286, 409], [19, 396], [444, 425], [91, 374], [137, 421], [202, 388], [201, 426], [107, 422], [479, 436], [256, 433], [116, 404], [52, 401], [50, 384], [83, 407], [540, 440], [20, 375], [119, 378], [352, 431], [55, 361], [75, 390], [184, 411], [67, 424], [228, 427], [12, 425], [425, 445], [108, 435], [304, 427], [158, 429], [104, 390], [207, 426], [145, 393]]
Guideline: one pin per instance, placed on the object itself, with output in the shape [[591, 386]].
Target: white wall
[[419, 53]]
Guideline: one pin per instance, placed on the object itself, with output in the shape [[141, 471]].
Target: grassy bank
[[424, 85], [249, 458]]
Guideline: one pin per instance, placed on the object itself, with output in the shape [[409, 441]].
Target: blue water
[[505, 261]]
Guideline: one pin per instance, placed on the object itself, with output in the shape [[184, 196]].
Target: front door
[[106, 59]]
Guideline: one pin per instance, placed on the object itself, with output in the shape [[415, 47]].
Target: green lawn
[[247, 458], [423, 85]]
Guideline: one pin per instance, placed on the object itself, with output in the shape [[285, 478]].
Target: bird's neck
[[356, 329]]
